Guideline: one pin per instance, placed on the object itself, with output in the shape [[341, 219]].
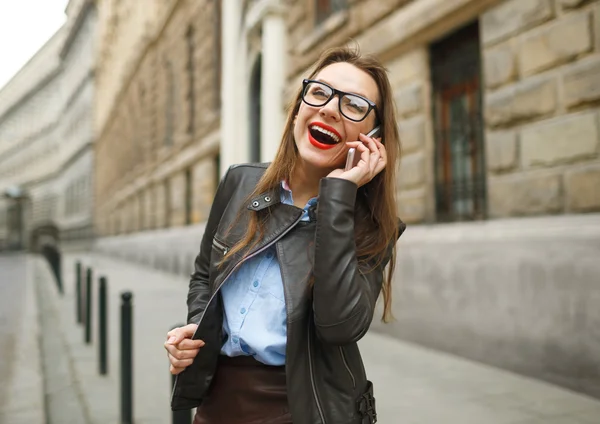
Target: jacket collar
[[264, 200]]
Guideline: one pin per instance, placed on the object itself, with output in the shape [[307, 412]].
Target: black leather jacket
[[326, 380]]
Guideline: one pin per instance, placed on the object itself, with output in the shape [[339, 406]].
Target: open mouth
[[323, 136]]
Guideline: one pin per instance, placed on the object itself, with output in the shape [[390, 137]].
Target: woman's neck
[[304, 182]]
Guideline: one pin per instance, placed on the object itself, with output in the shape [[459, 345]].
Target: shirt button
[[235, 339], [243, 311], [269, 255], [255, 284]]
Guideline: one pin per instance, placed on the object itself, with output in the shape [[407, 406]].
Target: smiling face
[[321, 132]]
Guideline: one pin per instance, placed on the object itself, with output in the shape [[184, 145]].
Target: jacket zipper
[[287, 230], [220, 245], [225, 248], [312, 377], [348, 367]]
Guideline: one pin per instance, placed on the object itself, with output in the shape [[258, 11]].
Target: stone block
[[499, 65], [412, 206], [582, 189], [204, 187], [531, 98], [525, 195], [412, 134], [501, 150], [409, 99], [582, 82], [596, 18], [412, 170], [512, 16], [561, 140], [556, 43], [408, 67]]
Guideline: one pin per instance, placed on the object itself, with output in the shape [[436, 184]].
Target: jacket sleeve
[[199, 290], [344, 292]]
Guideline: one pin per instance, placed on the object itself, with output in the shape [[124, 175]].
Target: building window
[[190, 76], [169, 104], [255, 105], [188, 197], [217, 162], [459, 145], [217, 53], [142, 211], [325, 8], [167, 205]]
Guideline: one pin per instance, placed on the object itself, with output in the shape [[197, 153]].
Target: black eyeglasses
[[352, 106]]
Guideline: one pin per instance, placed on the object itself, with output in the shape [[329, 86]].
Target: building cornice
[[87, 7]]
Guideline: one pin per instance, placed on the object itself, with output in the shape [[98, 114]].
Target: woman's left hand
[[373, 159]]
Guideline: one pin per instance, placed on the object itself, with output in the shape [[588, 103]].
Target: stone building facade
[[498, 111], [46, 138], [157, 114], [497, 100]]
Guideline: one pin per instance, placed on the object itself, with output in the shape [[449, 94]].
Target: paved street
[[413, 385], [11, 300], [21, 392]]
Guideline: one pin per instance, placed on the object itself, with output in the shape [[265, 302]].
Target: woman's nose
[[331, 109]]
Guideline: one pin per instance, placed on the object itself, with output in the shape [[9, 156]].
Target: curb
[[64, 401]]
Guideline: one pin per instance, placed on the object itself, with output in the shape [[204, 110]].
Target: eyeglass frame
[[340, 94]]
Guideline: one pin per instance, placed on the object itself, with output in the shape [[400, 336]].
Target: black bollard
[[102, 327], [183, 416], [78, 292], [88, 307], [126, 359]]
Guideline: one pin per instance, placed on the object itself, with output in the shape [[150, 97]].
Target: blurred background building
[[46, 139], [498, 107]]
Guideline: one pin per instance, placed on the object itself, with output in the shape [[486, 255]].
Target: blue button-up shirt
[[254, 319]]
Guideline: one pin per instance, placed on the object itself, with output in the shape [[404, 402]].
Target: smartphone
[[350, 159], [374, 132], [352, 152]]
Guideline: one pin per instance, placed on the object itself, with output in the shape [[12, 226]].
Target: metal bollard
[[182, 416], [78, 292], [126, 359], [102, 327], [88, 307]]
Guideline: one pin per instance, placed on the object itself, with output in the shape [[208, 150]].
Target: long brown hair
[[376, 223]]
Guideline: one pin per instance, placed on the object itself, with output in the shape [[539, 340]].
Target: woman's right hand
[[181, 348]]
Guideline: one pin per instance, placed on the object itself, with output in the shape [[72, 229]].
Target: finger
[[383, 159], [364, 153], [180, 363], [374, 155], [179, 353], [178, 334], [190, 344], [174, 370], [369, 142]]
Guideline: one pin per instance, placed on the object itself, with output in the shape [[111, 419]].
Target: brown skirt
[[245, 391]]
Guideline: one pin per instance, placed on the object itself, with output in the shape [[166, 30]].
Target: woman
[[292, 262]]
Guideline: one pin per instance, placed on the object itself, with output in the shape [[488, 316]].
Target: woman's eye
[[357, 107]]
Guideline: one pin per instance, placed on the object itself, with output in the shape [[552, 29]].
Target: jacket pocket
[[220, 246]]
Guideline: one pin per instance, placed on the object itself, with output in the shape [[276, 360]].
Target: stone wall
[[542, 73], [410, 79], [540, 64], [163, 121]]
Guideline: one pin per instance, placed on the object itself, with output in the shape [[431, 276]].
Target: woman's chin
[[320, 160]]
